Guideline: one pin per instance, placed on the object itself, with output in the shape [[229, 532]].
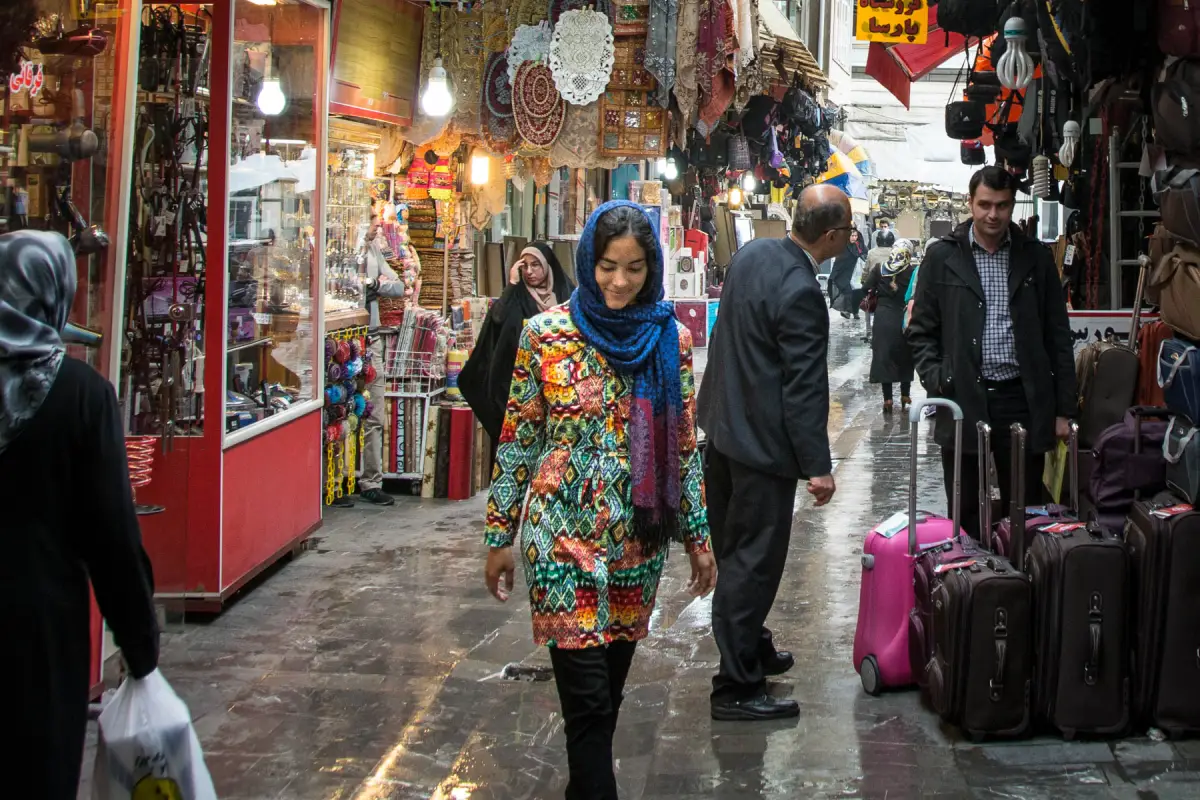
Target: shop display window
[[58, 146], [272, 256]]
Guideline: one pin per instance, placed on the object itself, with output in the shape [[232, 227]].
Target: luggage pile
[[1058, 620]]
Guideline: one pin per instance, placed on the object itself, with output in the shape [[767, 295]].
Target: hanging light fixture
[[735, 197], [1015, 69], [670, 169], [749, 182], [1070, 145], [437, 99], [271, 101], [480, 164]]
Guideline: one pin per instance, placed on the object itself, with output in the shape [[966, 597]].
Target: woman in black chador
[[891, 360], [540, 284]]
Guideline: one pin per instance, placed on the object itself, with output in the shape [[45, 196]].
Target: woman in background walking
[[891, 360], [843, 297]]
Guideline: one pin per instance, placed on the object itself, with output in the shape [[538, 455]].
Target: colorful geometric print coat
[[565, 444]]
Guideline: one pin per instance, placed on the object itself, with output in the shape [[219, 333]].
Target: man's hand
[[822, 489], [499, 565], [704, 574], [1062, 428]]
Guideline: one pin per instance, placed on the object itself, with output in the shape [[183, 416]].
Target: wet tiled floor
[[370, 668]]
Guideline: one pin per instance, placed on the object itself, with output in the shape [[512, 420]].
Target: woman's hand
[[704, 574], [514, 273], [500, 565]]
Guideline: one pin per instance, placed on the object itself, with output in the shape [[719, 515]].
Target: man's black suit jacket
[[764, 398]]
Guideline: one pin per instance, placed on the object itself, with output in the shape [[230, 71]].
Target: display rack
[[414, 357]]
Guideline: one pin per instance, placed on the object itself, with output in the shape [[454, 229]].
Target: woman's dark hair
[[995, 178], [16, 33], [628, 221]]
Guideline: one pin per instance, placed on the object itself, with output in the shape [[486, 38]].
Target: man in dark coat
[[884, 236], [764, 405], [485, 379], [989, 331]]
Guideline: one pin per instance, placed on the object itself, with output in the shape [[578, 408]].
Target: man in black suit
[[764, 405], [884, 236]]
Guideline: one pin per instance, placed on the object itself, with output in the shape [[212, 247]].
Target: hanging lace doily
[[581, 55], [497, 90], [579, 144], [529, 43], [542, 172]]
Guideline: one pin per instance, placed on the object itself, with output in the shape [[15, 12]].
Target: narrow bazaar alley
[[375, 665]]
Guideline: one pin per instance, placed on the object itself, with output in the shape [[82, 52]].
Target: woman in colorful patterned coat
[[600, 435]]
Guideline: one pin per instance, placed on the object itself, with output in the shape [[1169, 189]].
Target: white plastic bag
[[148, 748], [856, 277]]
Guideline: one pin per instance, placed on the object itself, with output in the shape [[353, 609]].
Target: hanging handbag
[[870, 302], [1178, 194], [1175, 287], [972, 153], [1175, 101], [739, 153]]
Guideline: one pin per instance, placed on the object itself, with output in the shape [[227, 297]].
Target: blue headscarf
[[37, 287], [640, 341]]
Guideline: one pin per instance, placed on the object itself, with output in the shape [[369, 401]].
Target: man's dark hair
[[811, 222], [996, 179]]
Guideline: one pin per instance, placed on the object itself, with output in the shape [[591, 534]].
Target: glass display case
[[221, 313]]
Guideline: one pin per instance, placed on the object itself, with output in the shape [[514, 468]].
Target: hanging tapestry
[[632, 124], [497, 90], [581, 56], [466, 62], [660, 47], [495, 29], [686, 88], [537, 107], [578, 145], [630, 17], [525, 12], [557, 7]]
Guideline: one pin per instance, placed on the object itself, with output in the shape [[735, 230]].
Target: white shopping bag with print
[[148, 748]]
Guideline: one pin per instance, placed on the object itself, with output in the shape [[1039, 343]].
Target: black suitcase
[[1164, 549], [980, 673], [1080, 574]]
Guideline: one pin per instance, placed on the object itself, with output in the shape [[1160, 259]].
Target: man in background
[[764, 405], [989, 330], [884, 236]]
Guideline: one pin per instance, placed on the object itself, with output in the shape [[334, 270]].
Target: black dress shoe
[[755, 708], [778, 663]]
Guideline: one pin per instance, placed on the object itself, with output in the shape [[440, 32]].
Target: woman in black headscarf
[[842, 297], [68, 516], [541, 284]]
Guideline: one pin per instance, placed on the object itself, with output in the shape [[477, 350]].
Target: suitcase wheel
[[868, 671]]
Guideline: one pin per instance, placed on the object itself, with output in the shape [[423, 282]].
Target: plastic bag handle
[[1173, 458]]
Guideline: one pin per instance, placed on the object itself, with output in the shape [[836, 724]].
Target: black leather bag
[[964, 119], [972, 153]]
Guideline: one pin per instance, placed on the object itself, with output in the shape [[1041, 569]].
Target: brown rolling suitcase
[[1080, 572], [980, 673], [1163, 535], [1107, 373]]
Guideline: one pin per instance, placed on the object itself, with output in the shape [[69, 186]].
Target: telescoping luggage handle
[[1016, 512], [914, 419]]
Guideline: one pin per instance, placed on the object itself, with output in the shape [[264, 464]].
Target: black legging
[[905, 387]]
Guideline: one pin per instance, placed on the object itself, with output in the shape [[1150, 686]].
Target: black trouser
[[591, 683], [1006, 405], [905, 390], [750, 517]]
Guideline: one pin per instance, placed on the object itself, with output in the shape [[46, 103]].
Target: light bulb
[[271, 100], [735, 197], [661, 165], [1015, 69], [1070, 145], [479, 169], [437, 100], [670, 170], [1041, 177], [749, 182]]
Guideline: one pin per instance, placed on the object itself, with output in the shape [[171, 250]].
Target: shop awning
[[896, 66], [780, 48]]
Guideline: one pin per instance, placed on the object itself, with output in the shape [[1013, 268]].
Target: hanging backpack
[[800, 107], [968, 17], [1176, 104], [1179, 28]]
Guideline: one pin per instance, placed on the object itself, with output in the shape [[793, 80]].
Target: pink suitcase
[[886, 597]]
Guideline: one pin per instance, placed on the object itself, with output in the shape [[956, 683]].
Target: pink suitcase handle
[[914, 419]]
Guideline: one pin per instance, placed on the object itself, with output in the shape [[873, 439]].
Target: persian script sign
[[894, 21]]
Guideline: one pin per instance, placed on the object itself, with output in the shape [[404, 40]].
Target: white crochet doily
[[581, 55], [529, 43]]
